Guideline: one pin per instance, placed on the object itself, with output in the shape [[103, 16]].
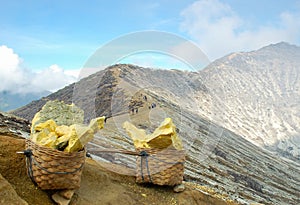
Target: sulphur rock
[[68, 138], [49, 140], [50, 125], [138, 136], [44, 134], [64, 134], [62, 130], [97, 124], [81, 134], [60, 113], [59, 126], [45, 138], [164, 136], [38, 136]]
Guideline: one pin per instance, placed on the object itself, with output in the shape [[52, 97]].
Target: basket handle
[[28, 154], [144, 156]]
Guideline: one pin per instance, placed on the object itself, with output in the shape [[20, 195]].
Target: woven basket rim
[[51, 151]]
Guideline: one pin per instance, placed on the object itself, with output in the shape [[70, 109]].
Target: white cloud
[[219, 30], [9, 59], [145, 59], [16, 78], [191, 54], [87, 71], [12, 75], [74, 73], [152, 59], [51, 79]]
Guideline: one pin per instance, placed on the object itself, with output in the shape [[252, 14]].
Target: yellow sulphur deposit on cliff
[[164, 136]]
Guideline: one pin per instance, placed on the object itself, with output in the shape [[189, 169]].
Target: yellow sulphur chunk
[[97, 124], [49, 140], [50, 125], [163, 137], [138, 136], [79, 136], [62, 130]]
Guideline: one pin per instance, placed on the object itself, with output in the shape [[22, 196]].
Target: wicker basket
[[161, 167], [53, 169]]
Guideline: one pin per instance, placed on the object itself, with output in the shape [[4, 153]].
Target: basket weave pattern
[[161, 167], [54, 169]]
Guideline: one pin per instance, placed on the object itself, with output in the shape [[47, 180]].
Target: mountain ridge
[[217, 157], [265, 80]]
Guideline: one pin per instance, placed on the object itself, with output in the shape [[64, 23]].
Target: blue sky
[[39, 37]]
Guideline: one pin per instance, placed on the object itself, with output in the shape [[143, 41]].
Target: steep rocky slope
[[218, 159], [258, 96]]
